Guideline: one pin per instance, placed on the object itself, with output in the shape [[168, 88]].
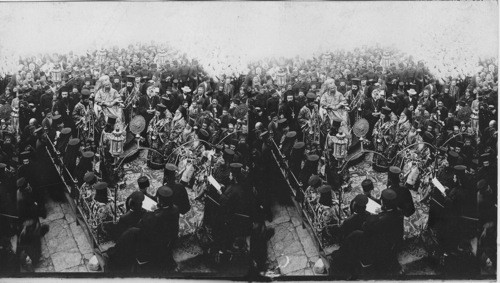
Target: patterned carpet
[[413, 225], [189, 222]]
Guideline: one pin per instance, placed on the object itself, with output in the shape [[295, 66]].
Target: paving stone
[[294, 216], [65, 260], [295, 263], [294, 248], [271, 255], [66, 208], [75, 228], [308, 272], [280, 214], [57, 228], [70, 218], [63, 243], [45, 249], [307, 242], [284, 232], [50, 205], [82, 243], [54, 211]]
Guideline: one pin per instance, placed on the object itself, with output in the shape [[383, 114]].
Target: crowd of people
[[56, 99]]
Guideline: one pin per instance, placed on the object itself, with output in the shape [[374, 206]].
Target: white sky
[[248, 30]]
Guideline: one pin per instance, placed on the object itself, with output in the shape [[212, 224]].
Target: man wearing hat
[[134, 214], [311, 193], [158, 232], [84, 116], [144, 187], [384, 133], [130, 96], [27, 205], [238, 208], [367, 186], [272, 103], [333, 105], [110, 102], [358, 216], [46, 102], [101, 206], [180, 197], [411, 100], [405, 199], [465, 203], [403, 126], [86, 190], [308, 114], [488, 171], [65, 107], [26, 169], [383, 234]]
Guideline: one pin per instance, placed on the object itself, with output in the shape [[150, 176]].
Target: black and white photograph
[[249, 141]]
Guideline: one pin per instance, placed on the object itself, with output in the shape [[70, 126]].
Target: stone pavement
[[65, 247], [291, 248]]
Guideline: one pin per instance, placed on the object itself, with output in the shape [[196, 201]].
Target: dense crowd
[[315, 101]]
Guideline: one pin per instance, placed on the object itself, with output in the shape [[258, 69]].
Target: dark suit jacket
[[353, 223], [181, 199], [383, 233], [158, 232], [128, 220], [405, 200]]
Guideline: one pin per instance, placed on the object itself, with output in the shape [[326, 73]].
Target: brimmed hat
[[235, 166], [386, 110], [186, 89], [412, 91], [161, 108]]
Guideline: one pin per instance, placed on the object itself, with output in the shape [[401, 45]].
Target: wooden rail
[[71, 186]]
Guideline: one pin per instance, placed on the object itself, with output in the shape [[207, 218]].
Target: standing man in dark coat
[[180, 197], [133, 215], [383, 234], [65, 107], [358, 217], [27, 207], [405, 199], [158, 232], [238, 207]]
